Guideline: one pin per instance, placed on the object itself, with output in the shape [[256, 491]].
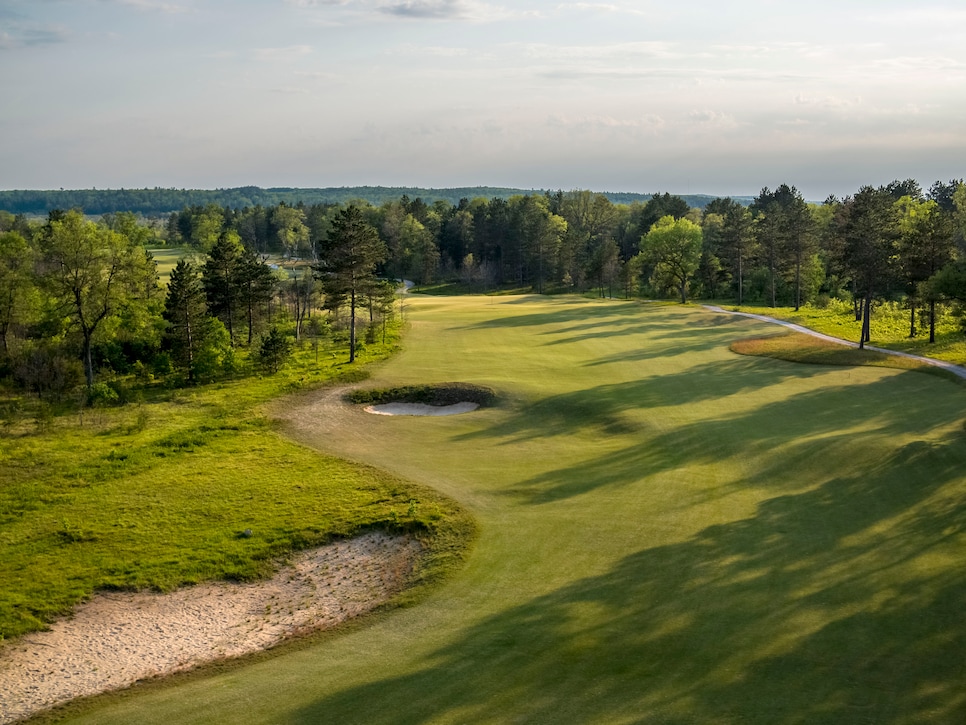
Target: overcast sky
[[720, 97]]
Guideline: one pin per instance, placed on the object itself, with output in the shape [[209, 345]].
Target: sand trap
[[420, 409], [118, 638]]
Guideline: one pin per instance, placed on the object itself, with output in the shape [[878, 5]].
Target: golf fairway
[[669, 532]]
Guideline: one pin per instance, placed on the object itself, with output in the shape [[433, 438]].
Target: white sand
[[118, 638], [420, 409]]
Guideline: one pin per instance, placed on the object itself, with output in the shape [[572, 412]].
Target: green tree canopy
[[91, 273], [347, 264], [673, 247]]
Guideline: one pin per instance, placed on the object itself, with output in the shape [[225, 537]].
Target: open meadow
[[668, 532]]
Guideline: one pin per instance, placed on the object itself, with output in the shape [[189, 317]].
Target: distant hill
[[158, 201]]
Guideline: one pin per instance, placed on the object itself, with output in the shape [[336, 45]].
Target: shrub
[[101, 395]]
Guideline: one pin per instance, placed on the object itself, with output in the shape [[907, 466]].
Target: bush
[[101, 395], [43, 370]]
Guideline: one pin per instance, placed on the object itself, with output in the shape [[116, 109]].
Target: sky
[[722, 98]]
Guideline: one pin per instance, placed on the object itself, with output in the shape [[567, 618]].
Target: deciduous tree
[[90, 273], [673, 247]]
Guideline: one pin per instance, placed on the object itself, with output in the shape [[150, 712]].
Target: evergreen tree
[[254, 283], [347, 264], [869, 226], [186, 312], [274, 351], [220, 277]]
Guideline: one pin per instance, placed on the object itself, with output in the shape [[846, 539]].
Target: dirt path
[[951, 367], [116, 639]]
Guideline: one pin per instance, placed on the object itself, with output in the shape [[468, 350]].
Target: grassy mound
[[440, 394]]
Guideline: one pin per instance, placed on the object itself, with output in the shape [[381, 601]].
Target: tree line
[[78, 297], [81, 303], [161, 201]]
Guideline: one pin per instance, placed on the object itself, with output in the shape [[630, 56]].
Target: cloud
[[601, 8], [717, 120], [917, 65], [26, 37], [648, 122], [609, 51], [155, 6], [430, 50], [932, 17], [315, 3], [827, 102], [282, 55], [445, 10]]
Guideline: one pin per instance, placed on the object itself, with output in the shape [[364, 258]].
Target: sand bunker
[[435, 399], [420, 409], [118, 638]]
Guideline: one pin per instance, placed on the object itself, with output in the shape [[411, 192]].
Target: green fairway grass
[[167, 259], [669, 532]]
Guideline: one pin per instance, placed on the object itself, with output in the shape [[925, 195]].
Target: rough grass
[[801, 348], [156, 495], [669, 532], [889, 327]]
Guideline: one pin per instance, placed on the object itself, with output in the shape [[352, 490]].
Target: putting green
[[669, 533]]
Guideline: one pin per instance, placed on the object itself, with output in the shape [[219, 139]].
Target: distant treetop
[[158, 201]]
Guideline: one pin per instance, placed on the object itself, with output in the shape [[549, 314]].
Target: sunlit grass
[[166, 259]]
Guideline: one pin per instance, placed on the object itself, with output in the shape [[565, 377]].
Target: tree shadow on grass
[[841, 604], [602, 407], [556, 311], [802, 437]]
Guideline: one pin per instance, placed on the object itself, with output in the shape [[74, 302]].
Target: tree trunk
[[798, 284], [912, 317], [932, 321], [88, 360], [866, 317], [740, 281], [352, 326], [190, 346]]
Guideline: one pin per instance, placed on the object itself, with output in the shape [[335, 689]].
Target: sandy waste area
[[117, 638]]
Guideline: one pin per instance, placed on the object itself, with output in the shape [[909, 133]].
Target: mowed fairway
[[669, 532]]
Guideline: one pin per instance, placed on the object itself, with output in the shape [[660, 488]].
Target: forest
[[160, 201], [82, 306]]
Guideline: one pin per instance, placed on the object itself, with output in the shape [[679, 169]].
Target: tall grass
[[156, 494]]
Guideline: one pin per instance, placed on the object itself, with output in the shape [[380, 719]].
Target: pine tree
[[186, 312], [347, 264], [274, 351]]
